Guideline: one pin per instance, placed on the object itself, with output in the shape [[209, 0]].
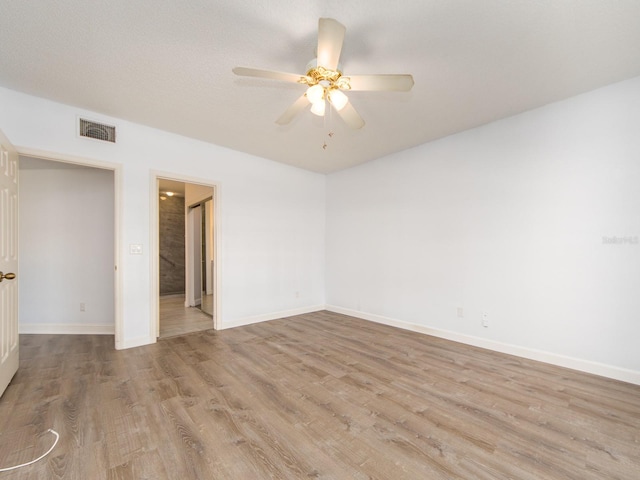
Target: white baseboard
[[269, 316], [66, 329], [135, 342], [604, 370]]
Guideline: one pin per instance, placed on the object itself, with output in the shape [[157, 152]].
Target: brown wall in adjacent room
[[171, 224]]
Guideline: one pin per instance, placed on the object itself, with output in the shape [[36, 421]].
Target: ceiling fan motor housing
[[325, 77]]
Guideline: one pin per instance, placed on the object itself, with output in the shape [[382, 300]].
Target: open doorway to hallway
[[67, 243], [186, 257]]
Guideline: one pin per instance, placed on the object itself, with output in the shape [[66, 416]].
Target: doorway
[[186, 252], [70, 208]]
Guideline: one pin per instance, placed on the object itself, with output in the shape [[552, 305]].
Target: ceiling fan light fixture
[[318, 108], [324, 80], [315, 94], [338, 99]]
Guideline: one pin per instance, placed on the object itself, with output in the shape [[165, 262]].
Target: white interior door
[[8, 262], [197, 254], [208, 238], [194, 286]]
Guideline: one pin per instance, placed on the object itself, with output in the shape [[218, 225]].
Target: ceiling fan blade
[[270, 74], [388, 83], [351, 117], [330, 38], [293, 110]]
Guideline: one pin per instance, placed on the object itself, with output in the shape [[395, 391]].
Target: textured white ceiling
[[168, 64]]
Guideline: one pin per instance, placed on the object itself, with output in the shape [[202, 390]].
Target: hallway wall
[[66, 248]]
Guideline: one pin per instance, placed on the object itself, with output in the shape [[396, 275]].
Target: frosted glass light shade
[[315, 93], [317, 108], [338, 99]]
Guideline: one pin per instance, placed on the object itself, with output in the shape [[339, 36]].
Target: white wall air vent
[[99, 131]]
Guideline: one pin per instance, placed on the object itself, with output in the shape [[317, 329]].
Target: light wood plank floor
[[176, 319], [320, 395]]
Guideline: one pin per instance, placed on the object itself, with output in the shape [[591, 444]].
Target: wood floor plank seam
[[320, 395]]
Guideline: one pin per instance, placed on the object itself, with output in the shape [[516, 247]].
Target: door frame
[[193, 254], [117, 227], [154, 244]]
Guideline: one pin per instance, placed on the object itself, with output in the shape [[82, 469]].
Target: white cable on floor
[[39, 458]]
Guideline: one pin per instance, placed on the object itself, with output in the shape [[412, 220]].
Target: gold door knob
[[8, 276]]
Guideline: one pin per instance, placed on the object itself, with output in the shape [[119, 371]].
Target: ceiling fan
[[325, 81]]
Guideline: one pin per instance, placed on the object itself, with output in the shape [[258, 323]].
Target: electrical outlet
[[297, 294], [82, 307], [485, 319], [460, 312]]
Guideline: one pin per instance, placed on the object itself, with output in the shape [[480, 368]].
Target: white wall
[[272, 215], [509, 219], [66, 248]]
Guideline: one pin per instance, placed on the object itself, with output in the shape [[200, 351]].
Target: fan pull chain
[[330, 134]]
